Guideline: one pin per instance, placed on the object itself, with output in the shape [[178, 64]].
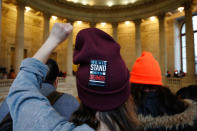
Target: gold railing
[[6, 82]]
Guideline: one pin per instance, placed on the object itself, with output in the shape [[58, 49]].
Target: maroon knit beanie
[[102, 77]]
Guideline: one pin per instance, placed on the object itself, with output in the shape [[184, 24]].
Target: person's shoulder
[[68, 98], [83, 127], [68, 95], [71, 127]]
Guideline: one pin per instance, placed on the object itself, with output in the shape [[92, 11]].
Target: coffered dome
[[104, 10]]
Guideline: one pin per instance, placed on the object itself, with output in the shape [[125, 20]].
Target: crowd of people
[[177, 74], [110, 98], [12, 75], [5, 75]]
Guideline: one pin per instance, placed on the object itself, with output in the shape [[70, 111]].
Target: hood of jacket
[[177, 120]]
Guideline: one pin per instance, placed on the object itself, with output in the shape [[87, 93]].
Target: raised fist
[[60, 32]]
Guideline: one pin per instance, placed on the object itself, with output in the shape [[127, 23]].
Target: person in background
[[12, 74], [5, 73], [168, 74], [102, 83], [65, 105], [189, 92], [157, 107], [176, 74], [181, 74]]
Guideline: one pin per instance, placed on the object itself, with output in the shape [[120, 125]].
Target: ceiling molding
[[103, 13]]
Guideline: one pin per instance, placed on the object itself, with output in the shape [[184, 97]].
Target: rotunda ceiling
[[108, 3], [101, 11]]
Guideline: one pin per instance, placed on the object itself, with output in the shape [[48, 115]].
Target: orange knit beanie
[[146, 70]]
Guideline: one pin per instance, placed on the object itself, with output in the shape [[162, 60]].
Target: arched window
[[183, 45]]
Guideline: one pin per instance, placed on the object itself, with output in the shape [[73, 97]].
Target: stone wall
[[150, 37], [33, 35], [33, 29], [8, 33], [126, 39]]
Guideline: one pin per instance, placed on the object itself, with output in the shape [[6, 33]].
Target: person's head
[[12, 70], [146, 81], [189, 92], [53, 72], [146, 70], [102, 82], [168, 102]]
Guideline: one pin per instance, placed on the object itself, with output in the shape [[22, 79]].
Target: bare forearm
[[58, 34], [44, 52]]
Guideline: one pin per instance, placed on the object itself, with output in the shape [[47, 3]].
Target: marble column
[[115, 31], [190, 56], [93, 24], [162, 44], [138, 46], [70, 53], [46, 26], [1, 60], [19, 43]]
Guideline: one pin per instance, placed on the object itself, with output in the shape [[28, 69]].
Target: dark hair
[[189, 92], [53, 71], [168, 102], [122, 118]]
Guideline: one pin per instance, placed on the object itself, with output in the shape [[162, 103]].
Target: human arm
[[29, 109], [58, 34]]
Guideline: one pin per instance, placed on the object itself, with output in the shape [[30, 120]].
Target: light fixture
[[133, 1], [79, 22], [125, 2], [27, 9], [127, 22], [84, 2], [75, 1], [169, 13], [91, 3], [103, 23], [180, 9], [54, 17], [110, 3], [152, 18]]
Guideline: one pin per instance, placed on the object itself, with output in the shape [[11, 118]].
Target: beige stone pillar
[[93, 24], [1, 60], [19, 43], [115, 31], [190, 56], [46, 26], [162, 44], [138, 47], [70, 53]]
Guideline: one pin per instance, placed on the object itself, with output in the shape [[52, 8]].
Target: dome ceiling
[[101, 11], [104, 2]]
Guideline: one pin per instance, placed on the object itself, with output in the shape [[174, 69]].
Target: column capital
[[114, 24], [71, 21], [92, 24], [161, 16], [137, 21], [188, 4], [46, 15], [20, 6]]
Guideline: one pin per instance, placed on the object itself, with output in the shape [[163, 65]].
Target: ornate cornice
[[102, 13], [103, 7]]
